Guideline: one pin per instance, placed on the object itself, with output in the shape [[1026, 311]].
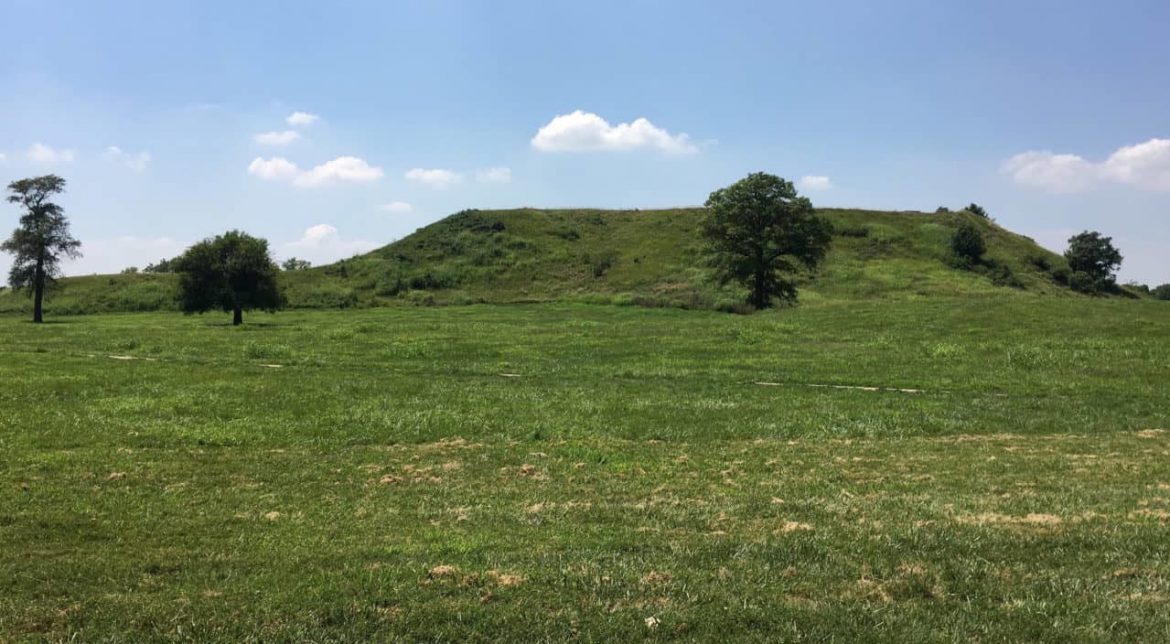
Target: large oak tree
[[41, 240], [760, 232], [232, 272]]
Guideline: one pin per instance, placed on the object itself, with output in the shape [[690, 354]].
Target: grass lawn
[[915, 470]]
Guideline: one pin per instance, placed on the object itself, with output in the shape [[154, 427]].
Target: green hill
[[646, 257]]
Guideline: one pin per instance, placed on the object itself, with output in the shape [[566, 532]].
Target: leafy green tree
[[1161, 292], [41, 240], [967, 243], [1094, 256], [231, 272], [759, 231], [294, 264]]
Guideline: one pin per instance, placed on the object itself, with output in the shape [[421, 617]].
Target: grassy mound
[[647, 257]]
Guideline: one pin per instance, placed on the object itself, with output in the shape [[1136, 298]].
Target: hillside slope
[[649, 257]]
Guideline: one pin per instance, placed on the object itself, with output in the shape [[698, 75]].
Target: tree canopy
[[41, 240], [759, 232], [294, 264], [231, 272], [1093, 260], [976, 209]]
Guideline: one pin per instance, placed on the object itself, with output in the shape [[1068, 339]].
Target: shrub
[[390, 284], [1161, 292], [1083, 282], [976, 209], [327, 297], [852, 231], [601, 265], [1061, 275], [1002, 275], [1040, 262], [566, 233], [967, 243]]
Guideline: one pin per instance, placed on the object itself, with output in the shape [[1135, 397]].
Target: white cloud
[[814, 182], [1052, 172], [45, 155], [276, 138], [323, 244], [435, 178], [274, 169], [136, 162], [397, 207], [339, 170], [586, 132], [302, 118], [498, 174], [1145, 165], [3, 158]]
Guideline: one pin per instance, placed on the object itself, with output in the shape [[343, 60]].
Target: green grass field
[[916, 469]]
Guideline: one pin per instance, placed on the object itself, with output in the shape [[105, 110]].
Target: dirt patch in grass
[[789, 527], [1030, 520], [654, 578], [1151, 513], [504, 579], [442, 571]]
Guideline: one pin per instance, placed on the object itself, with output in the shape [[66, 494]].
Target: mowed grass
[[556, 472]]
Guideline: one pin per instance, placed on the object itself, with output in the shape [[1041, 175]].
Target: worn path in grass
[[633, 482]]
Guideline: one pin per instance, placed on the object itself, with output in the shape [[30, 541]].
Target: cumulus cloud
[[274, 169], [498, 174], [44, 155], [587, 132], [339, 170], [1144, 165], [302, 118], [814, 182], [397, 207], [1052, 172], [136, 162], [276, 138], [435, 177], [322, 244]]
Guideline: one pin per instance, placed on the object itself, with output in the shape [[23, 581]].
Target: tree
[[759, 230], [164, 265], [976, 209], [41, 240], [231, 272], [1161, 292], [967, 243], [294, 264], [1095, 257]]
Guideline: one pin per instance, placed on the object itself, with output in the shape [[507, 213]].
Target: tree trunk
[[759, 292], [237, 317], [39, 291]]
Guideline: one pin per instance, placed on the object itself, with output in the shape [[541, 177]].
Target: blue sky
[[174, 121]]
